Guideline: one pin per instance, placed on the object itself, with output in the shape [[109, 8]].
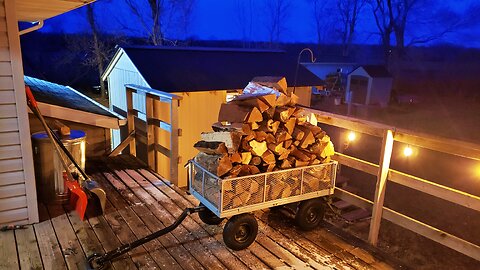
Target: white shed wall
[[380, 91], [124, 72]]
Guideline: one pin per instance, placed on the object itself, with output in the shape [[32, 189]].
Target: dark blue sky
[[219, 20]]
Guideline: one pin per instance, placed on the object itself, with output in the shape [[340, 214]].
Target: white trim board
[[82, 117]]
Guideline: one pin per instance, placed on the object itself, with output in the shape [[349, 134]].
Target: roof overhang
[[87, 118], [38, 10]]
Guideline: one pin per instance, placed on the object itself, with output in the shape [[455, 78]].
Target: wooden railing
[[161, 113], [384, 173]]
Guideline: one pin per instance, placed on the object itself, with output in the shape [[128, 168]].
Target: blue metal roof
[[64, 96]]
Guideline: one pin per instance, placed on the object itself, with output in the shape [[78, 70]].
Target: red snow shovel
[[78, 197]]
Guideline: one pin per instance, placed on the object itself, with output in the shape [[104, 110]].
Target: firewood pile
[[263, 132]]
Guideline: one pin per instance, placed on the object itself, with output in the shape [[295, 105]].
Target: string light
[[351, 136], [407, 151]]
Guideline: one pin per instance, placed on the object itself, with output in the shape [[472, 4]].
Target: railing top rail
[[153, 92], [449, 146]]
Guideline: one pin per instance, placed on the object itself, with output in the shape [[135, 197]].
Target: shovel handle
[[30, 97]]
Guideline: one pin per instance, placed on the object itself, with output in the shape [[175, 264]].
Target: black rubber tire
[[240, 231], [208, 217], [309, 214]]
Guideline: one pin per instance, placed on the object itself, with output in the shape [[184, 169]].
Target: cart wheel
[[240, 231], [94, 263], [208, 217], [309, 214]]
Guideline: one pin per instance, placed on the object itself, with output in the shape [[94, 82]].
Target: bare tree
[[149, 14], [278, 12], [99, 55], [349, 11], [382, 12], [324, 22], [245, 14], [393, 17], [182, 10]]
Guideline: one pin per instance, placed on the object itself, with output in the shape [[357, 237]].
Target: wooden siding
[[18, 202], [304, 94], [197, 112]]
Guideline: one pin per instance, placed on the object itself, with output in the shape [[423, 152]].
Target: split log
[[211, 147], [282, 100], [216, 164], [246, 157], [268, 157], [231, 139], [300, 155], [255, 161], [278, 83], [290, 125], [258, 148], [293, 100], [298, 134], [234, 113], [283, 113], [245, 146], [63, 129], [261, 101], [260, 136], [282, 135], [270, 138], [219, 126], [269, 113], [236, 158]]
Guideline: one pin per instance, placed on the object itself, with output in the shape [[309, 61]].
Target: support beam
[[385, 157], [131, 120]]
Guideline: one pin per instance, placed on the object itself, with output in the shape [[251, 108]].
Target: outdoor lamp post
[[312, 58]]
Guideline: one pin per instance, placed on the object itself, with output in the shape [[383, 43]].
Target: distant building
[[197, 80], [370, 85]]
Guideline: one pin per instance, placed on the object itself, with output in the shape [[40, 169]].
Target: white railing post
[[131, 120], [385, 156]]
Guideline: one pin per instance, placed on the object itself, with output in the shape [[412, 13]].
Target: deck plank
[[70, 247], [109, 241], [203, 255], [8, 250], [27, 247], [52, 257], [175, 249], [256, 256], [217, 248], [284, 227], [246, 256]]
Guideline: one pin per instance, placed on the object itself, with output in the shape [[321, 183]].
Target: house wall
[[97, 138], [18, 200], [380, 91]]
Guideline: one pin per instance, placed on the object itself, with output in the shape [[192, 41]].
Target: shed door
[[359, 88]]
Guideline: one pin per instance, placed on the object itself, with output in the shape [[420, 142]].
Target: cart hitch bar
[[98, 261]]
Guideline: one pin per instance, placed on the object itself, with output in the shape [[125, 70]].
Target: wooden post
[[131, 120], [174, 157], [384, 166], [150, 131]]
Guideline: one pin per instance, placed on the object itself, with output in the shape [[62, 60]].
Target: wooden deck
[[139, 203]]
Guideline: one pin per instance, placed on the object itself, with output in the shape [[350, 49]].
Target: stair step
[[341, 181], [341, 204], [356, 214]]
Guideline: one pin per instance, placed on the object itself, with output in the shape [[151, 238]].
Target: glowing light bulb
[[407, 151], [351, 136]]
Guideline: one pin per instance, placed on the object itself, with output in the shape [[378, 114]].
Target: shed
[[370, 85], [190, 85], [77, 111], [18, 200]]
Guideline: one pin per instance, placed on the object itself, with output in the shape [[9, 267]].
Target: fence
[[384, 173]]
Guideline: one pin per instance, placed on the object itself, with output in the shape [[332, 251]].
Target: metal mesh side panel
[[211, 190], [242, 192], [283, 185], [197, 179], [317, 178]]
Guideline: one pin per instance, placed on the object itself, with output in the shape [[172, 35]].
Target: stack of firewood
[[262, 133]]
